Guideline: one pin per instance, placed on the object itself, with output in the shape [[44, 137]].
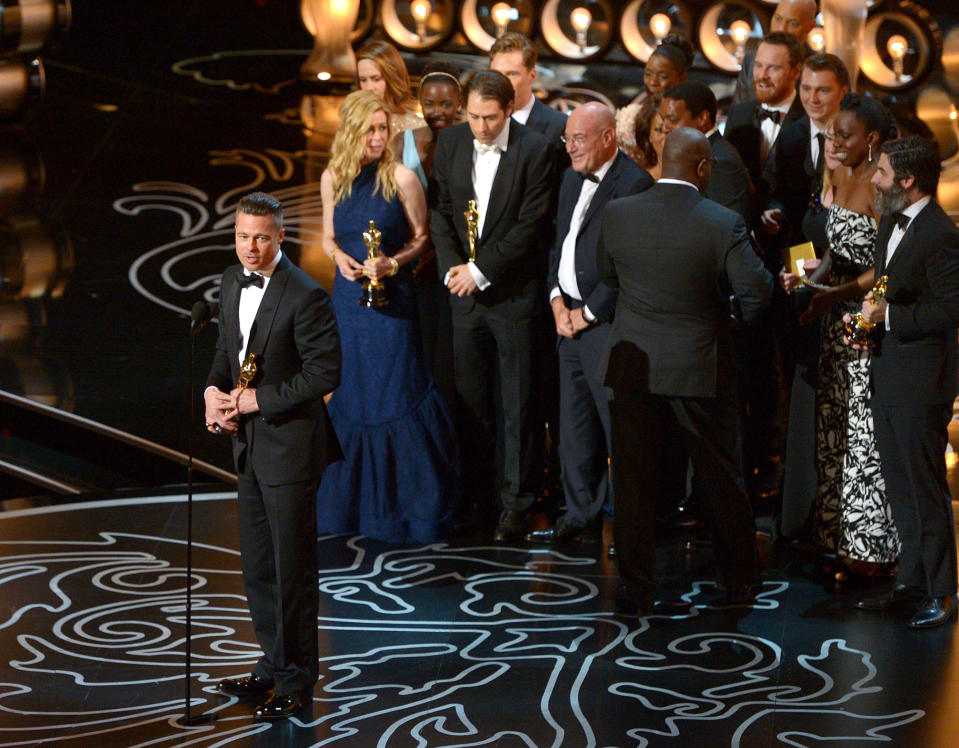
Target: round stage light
[[645, 23], [724, 30]]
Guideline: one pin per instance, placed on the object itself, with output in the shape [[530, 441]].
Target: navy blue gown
[[399, 479]]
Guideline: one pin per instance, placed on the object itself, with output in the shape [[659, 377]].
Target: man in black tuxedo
[[283, 441], [799, 161], [794, 17], [754, 127], [508, 170], [795, 215], [582, 306], [914, 376], [515, 56], [676, 258], [693, 104]]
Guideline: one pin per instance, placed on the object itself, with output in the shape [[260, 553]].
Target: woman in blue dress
[[399, 478]]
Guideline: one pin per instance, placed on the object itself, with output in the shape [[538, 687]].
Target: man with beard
[[914, 376], [754, 129], [794, 17]]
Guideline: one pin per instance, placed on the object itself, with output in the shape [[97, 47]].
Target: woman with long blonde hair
[[380, 69], [399, 474]]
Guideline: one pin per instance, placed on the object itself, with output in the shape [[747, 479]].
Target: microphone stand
[[199, 316]]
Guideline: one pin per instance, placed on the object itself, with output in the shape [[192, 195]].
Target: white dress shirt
[[522, 115], [250, 298], [484, 172], [814, 141], [566, 274], [770, 130], [897, 233]]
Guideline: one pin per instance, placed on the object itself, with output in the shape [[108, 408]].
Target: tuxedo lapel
[[905, 244], [263, 321], [230, 317], [503, 181], [603, 191]]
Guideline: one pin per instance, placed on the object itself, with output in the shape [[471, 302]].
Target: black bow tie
[[591, 177], [901, 220], [763, 113], [253, 279]]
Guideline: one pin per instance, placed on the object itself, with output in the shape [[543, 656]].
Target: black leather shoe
[[558, 533], [512, 525], [251, 685], [897, 598], [277, 707], [934, 611]]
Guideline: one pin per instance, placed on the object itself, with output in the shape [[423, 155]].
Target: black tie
[[901, 220], [763, 113], [253, 279], [821, 157], [591, 177]]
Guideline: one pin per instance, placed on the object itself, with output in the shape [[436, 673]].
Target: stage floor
[[444, 645], [116, 211]]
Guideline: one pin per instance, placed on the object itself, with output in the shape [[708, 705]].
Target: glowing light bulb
[[816, 39], [897, 46], [740, 31], [421, 10], [953, 114], [580, 19], [501, 13], [323, 75], [660, 24]]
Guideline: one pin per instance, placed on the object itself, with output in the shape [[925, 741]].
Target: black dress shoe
[[558, 533], [251, 685], [900, 596], [934, 611], [512, 525], [277, 707]]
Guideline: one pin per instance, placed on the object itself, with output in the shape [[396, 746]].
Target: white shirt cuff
[[588, 315], [481, 281], [554, 293], [887, 317]]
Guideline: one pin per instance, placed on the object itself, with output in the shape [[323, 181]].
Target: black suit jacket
[[743, 133], [676, 257], [511, 252], [794, 175], [295, 336], [623, 178], [551, 124], [917, 359], [729, 182]]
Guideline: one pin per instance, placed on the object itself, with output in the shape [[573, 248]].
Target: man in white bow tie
[[507, 169]]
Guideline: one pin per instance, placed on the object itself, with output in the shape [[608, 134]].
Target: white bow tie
[[482, 148]]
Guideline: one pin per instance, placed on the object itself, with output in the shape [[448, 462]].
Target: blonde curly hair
[[349, 147]]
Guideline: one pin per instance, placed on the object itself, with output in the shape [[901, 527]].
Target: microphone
[[201, 313]]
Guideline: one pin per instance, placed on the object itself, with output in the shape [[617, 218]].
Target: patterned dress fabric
[[851, 515], [399, 479]]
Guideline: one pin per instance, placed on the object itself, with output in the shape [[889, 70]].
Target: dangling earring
[[869, 156]]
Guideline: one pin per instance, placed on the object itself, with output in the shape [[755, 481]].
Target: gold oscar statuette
[[247, 372], [374, 291], [472, 225], [860, 331]]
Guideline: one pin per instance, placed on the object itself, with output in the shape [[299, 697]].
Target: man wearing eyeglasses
[[582, 307]]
